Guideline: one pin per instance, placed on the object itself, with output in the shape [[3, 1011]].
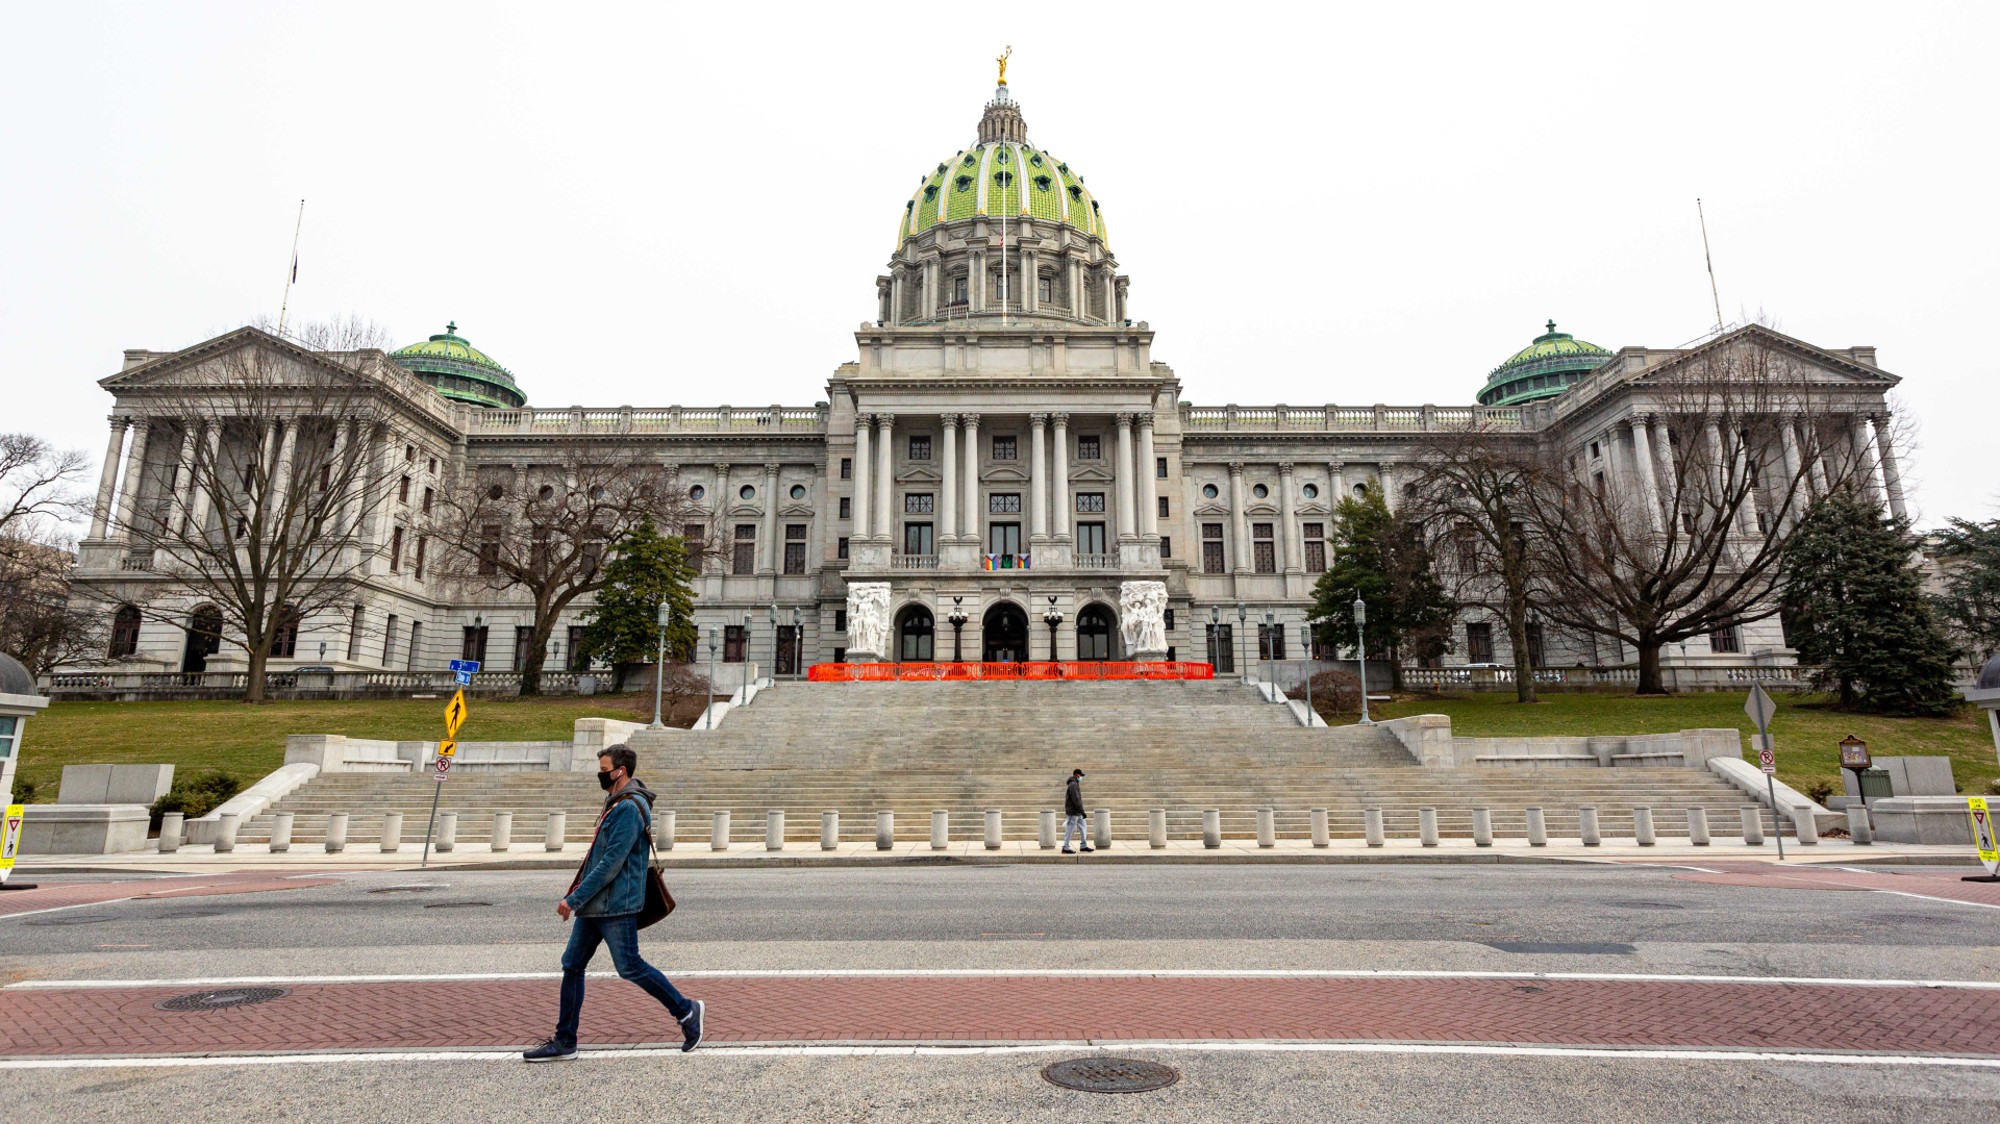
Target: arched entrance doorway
[[1094, 629], [204, 638], [1005, 631], [915, 636]]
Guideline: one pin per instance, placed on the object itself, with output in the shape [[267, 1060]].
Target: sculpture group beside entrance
[[1142, 618], [867, 622]]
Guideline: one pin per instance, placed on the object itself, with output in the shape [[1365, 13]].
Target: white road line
[[60, 908], [1234, 1047], [1023, 973], [1929, 898]]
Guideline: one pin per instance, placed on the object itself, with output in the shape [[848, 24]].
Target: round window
[[747, 492], [798, 491], [1312, 491], [1209, 491], [495, 492], [1260, 491], [545, 492], [1361, 489], [697, 493]]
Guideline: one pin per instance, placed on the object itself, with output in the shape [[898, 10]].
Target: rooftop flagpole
[[1714, 294], [292, 274]]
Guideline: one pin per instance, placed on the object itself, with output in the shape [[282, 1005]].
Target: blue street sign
[[464, 678], [465, 667]]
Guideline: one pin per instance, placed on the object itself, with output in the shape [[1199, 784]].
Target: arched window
[[916, 635], [204, 638], [1093, 633], [124, 632], [285, 645]]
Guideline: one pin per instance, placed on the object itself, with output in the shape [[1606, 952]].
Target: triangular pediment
[[918, 475], [1211, 507], [1313, 507], [1816, 364], [796, 510], [1091, 474], [230, 354]]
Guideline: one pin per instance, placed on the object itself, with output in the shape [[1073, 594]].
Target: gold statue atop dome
[[1002, 60]]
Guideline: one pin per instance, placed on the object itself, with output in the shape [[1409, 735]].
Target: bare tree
[[257, 492], [37, 486], [38, 625], [1688, 540], [543, 531]]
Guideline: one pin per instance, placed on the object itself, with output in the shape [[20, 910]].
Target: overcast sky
[[689, 204]]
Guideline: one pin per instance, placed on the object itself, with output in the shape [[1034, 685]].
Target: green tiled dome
[[1543, 369], [461, 371], [1002, 177]]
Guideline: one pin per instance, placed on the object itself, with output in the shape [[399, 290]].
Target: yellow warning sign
[[10, 837], [1982, 833], [447, 748], [454, 714]]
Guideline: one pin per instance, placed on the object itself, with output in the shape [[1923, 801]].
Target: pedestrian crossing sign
[[1982, 833], [454, 714], [10, 838]]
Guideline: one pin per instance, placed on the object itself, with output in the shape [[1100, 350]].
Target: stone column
[[1030, 281], [1388, 486], [1075, 294], [1864, 460], [1336, 475], [1038, 477], [975, 282], [896, 298], [1649, 485], [288, 452], [864, 477], [128, 497], [768, 549], [183, 470], [1288, 531], [948, 502], [885, 475], [1239, 519], [1892, 480], [1788, 438], [971, 484], [1148, 480], [198, 502], [107, 479], [1059, 479], [1128, 527]]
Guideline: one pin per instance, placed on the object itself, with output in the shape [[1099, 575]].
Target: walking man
[[605, 900], [1073, 814]]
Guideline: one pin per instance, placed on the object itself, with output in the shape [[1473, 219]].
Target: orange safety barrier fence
[[1016, 670]]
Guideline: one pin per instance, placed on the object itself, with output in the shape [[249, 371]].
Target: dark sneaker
[[1088, 849], [554, 1050], [1067, 851], [691, 1027]]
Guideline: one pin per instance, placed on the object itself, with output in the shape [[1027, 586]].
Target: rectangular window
[[1314, 535], [396, 551], [421, 543], [389, 641], [1163, 507], [847, 468], [1090, 502], [410, 454], [917, 539], [1537, 651], [735, 642], [1479, 643], [920, 447], [1005, 449], [1166, 546], [840, 548], [474, 647], [416, 643], [1003, 503], [958, 290], [354, 635], [840, 620], [1725, 640], [1089, 447], [1466, 543], [1160, 468], [1045, 290], [795, 548], [403, 491], [1090, 538], [1212, 561], [846, 507], [1003, 538], [919, 503], [1263, 550], [579, 661], [489, 550], [429, 495], [524, 642], [1271, 641], [744, 559]]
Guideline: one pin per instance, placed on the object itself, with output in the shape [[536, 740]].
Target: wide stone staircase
[[914, 748]]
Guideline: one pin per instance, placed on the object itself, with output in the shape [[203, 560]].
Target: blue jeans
[[1075, 824], [622, 934]]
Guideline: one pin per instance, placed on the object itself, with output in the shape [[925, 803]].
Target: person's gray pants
[[1075, 824]]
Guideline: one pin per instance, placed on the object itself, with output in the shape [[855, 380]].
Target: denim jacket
[[613, 882]]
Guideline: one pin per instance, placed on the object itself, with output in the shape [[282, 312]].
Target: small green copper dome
[[1543, 369], [460, 371]]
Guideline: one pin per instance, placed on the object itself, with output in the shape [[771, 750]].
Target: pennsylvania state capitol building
[[1002, 444]]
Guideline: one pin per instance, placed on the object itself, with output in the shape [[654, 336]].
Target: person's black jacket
[[1073, 798]]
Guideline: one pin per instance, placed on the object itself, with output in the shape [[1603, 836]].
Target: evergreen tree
[[1855, 601], [1387, 564], [645, 568], [1969, 558]]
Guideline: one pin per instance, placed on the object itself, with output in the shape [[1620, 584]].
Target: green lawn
[[1807, 731], [249, 741]]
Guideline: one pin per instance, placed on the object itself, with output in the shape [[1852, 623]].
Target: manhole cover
[[412, 888], [458, 905], [221, 1000], [1110, 1075]]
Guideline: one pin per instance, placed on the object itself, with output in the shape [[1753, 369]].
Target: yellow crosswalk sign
[[447, 748], [454, 714], [1982, 832]]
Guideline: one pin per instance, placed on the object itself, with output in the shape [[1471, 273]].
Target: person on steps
[[1073, 814], [605, 900]]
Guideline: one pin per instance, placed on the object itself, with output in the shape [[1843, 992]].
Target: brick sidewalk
[[854, 1009]]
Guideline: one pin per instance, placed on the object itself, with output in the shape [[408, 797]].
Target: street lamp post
[[957, 618], [1361, 650], [773, 616], [1214, 630], [798, 641], [1306, 646], [663, 618], [1242, 624], [708, 715], [1054, 617], [1270, 636]]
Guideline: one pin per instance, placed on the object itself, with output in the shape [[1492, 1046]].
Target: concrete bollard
[[885, 831], [940, 829], [1046, 836], [1482, 827], [1101, 820], [503, 830], [774, 830], [1267, 828], [225, 832], [281, 833], [1860, 829], [392, 832], [1753, 825], [1211, 828], [1805, 827], [829, 830], [1321, 836], [1538, 828], [171, 826], [447, 832], [718, 832], [554, 830], [1371, 821], [1698, 826], [663, 830], [336, 833], [1586, 826], [992, 829], [1427, 826], [1156, 828], [1642, 826]]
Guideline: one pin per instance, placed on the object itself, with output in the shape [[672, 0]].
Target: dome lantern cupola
[[1543, 369], [460, 371]]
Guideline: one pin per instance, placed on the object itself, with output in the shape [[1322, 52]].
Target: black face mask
[[604, 780]]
